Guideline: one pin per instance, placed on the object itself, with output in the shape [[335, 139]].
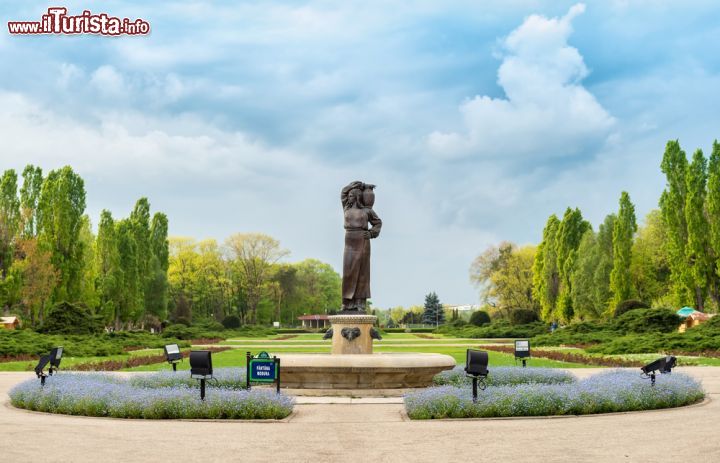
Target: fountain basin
[[361, 371]]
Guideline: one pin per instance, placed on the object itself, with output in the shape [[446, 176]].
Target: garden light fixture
[[201, 368], [522, 351], [664, 365], [53, 358], [476, 362], [173, 355]]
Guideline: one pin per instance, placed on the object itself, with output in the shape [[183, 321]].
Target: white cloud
[[547, 113], [108, 81]]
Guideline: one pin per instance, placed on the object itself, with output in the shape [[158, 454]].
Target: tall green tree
[[569, 234], [583, 279], [107, 264], [433, 313], [650, 268], [623, 233], [713, 212], [156, 291], [29, 198], [697, 252], [9, 220], [60, 220], [545, 270], [672, 204], [130, 285]]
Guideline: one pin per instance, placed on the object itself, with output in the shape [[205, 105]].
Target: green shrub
[[647, 321], [66, 318], [628, 305], [231, 322], [523, 316], [479, 318]]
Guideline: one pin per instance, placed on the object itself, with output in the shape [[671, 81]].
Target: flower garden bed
[[613, 391], [155, 396]]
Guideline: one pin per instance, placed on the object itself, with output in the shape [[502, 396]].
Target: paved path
[[369, 432]]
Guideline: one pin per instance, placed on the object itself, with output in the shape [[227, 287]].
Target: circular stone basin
[[361, 371]]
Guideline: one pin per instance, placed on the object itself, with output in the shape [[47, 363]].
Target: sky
[[475, 119]]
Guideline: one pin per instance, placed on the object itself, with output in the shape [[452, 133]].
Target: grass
[[683, 360], [68, 362]]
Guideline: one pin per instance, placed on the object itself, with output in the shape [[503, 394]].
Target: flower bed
[[506, 376], [614, 391], [228, 378], [118, 397]]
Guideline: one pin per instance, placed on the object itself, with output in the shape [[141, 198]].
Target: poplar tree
[[672, 205], [713, 210], [605, 263], [130, 285], [583, 278], [569, 234], [622, 241], [107, 263], [29, 197], [9, 220], [545, 272], [156, 290], [140, 223], [697, 256]]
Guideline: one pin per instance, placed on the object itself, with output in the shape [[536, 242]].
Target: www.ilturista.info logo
[[57, 21]]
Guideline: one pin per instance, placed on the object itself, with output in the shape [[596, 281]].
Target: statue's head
[[355, 197]]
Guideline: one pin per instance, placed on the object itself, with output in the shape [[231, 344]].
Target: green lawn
[[27, 365]]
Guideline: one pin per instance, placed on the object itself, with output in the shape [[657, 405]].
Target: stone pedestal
[[351, 334]]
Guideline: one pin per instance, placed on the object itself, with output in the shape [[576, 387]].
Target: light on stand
[[173, 355], [201, 368], [476, 362], [664, 365]]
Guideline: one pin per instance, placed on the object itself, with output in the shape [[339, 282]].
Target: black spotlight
[[664, 365], [476, 362], [201, 368], [173, 355], [53, 358], [522, 351]]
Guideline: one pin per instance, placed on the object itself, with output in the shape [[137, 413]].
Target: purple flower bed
[[230, 378], [113, 396], [614, 391], [506, 376]]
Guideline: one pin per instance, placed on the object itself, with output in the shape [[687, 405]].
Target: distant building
[[314, 321], [694, 319], [9, 323], [464, 307]]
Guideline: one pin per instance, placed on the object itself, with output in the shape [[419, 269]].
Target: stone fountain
[[352, 364]]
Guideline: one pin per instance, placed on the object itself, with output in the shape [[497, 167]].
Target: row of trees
[[49, 254], [575, 272], [244, 277]]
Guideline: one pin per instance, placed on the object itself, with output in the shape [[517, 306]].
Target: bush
[[523, 316], [479, 318], [614, 391], [497, 329], [117, 397], [66, 318], [231, 321], [647, 321], [628, 305]]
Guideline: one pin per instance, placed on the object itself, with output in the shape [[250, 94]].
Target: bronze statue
[[357, 200]]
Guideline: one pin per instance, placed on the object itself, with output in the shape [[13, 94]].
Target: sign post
[[522, 351], [262, 369]]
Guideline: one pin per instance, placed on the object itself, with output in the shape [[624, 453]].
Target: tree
[[545, 270], [156, 290], [623, 233], [253, 254], [433, 312], [569, 234], [697, 252], [583, 278], [672, 204], [130, 303], [29, 198], [107, 265], [60, 219], [713, 212], [605, 263], [38, 277], [505, 275], [9, 220], [649, 267], [140, 222]]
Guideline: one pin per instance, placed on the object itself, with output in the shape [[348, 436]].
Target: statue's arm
[[375, 222]]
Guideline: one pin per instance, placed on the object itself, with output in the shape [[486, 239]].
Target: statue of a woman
[[357, 199]]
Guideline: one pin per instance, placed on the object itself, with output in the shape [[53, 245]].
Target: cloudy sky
[[475, 119]]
